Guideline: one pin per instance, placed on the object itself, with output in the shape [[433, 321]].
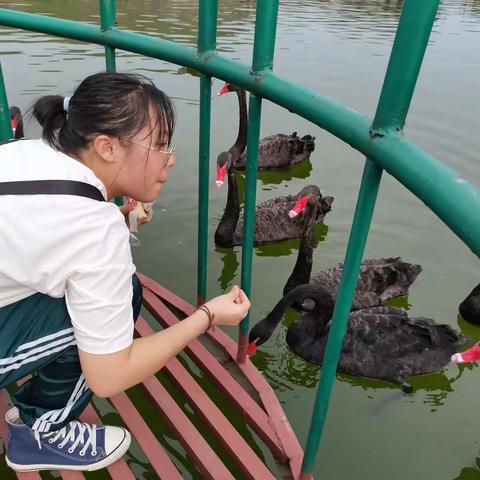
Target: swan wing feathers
[[272, 223], [379, 280], [390, 329], [281, 150]]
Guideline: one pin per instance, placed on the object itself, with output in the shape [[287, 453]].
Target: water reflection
[[284, 369], [229, 256], [470, 473], [287, 247], [230, 265], [472, 331], [276, 177]]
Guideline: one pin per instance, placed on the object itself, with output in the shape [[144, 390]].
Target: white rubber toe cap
[[117, 440]]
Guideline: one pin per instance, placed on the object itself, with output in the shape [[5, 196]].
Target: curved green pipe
[[431, 181]]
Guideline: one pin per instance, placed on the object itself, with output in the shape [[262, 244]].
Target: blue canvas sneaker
[[77, 446]]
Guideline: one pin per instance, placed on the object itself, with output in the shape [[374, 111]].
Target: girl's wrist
[[209, 314]]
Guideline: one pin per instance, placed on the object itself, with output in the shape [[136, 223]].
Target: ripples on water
[[341, 48]]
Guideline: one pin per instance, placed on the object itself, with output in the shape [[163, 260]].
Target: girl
[[68, 293]]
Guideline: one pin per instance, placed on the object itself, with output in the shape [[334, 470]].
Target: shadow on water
[[276, 177], [470, 473], [472, 331], [286, 247], [301, 170]]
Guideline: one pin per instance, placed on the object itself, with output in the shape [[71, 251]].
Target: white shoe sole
[[117, 454]]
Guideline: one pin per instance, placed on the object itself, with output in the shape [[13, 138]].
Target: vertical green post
[[108, 19], [263, 50], [6, 132], [406, 58], [207, 38]]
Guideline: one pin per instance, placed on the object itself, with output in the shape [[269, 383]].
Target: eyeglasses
[[168, 152]]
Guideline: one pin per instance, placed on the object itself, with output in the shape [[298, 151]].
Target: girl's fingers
[[243, 297], [234, 292]]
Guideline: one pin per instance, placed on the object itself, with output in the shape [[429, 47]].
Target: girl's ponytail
[[50, 114]]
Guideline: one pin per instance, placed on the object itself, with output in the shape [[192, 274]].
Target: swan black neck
[[228, 223], [226, 228], [241, 142], [263, 330], [303, 266]]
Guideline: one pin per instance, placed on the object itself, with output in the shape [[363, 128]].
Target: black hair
[[115, 104]]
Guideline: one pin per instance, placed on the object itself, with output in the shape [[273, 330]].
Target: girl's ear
[[106, 147]]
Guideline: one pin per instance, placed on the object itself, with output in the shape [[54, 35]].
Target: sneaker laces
[[69, 434]]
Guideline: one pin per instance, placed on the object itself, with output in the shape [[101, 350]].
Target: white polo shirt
[[66, 246]]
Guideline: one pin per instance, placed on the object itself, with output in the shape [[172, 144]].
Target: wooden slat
[[71, 475], [271, 404], [155, 453], [243, 455], [196, 446], [118, 470], [255, 416]]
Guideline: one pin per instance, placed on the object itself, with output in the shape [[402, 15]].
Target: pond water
[[341, 48]]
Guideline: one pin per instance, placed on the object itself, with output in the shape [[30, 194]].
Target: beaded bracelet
[[210, 316]]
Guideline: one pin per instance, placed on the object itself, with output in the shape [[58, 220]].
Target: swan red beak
[[470, 355], [221, 172], [299, 207], [223, 90], [14, 123], [251, 349]]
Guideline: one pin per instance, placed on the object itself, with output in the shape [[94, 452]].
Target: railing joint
[[206, 56], [385, 132]]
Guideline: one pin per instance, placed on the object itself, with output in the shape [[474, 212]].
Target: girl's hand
[[126, 208], [230, 308]]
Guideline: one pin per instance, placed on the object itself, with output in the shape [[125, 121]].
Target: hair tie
[[66, 101]]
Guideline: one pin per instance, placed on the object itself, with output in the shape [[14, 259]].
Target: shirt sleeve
[[99, 302], [98, 290]]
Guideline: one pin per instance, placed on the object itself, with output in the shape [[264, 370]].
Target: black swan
[[380, 342], [274, 151], [379, 280], [277, 219], [16, 120], [470, 308]]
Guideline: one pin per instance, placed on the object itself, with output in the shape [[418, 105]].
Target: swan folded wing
[[279, 151], [287, 201], [390, 329], [272, 223], [329, 280], [379, 280]]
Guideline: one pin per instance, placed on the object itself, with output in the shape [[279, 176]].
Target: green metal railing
[[381, 141]]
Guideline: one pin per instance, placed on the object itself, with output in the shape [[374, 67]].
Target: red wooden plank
[[155, 453], [118, 470], [196, 446], [255, 416], [271, 404], [245, 458], [71, 475]]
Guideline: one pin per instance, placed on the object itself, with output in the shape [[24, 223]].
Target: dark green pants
[[36, 337]]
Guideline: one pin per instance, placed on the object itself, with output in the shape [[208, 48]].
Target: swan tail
[[442, 335]]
